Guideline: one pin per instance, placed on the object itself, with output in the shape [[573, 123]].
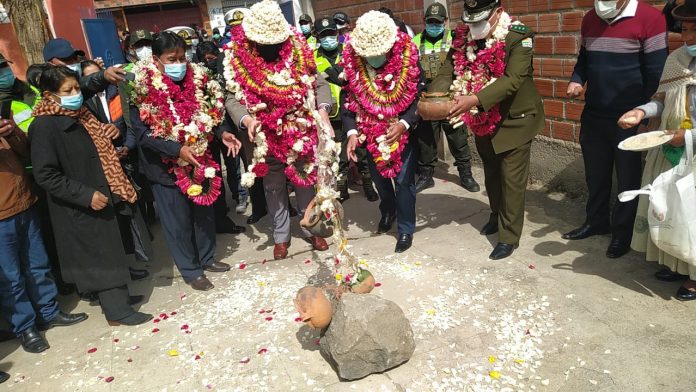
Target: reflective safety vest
[[21, 112], [322, 65], [432, 56], [313, 43]]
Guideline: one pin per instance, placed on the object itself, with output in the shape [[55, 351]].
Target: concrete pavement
[[556, 316]]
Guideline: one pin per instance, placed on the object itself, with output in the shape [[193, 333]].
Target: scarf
[[115, 177], [673, 90]]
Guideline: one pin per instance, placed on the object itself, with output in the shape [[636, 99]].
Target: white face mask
[[607, 10], [143, 53], [479, 30]]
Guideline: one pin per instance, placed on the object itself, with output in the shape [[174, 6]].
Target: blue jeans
[[398, 194], [27, 290]]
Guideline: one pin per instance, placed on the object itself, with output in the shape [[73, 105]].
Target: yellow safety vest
[[312, 42], [432, 56], [322, 65], [21, 112]]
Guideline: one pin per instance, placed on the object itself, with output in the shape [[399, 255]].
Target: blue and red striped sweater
[[621, 62]]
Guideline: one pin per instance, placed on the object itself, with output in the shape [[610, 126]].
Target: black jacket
[[153, 150], [67, 167]]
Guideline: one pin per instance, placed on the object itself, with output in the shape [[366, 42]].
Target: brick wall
[[557, 23]]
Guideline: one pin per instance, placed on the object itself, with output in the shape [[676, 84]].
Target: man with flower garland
[[489, 70], [275, 92], [384, 79]]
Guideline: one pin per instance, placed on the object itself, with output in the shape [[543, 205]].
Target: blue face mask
[[329, 43], [76, 67], [434, 29], [7, 78], [691, 49], [71, 102], [305, 28], [175, 71], [377, 61]]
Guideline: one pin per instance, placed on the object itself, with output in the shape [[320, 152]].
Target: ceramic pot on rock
[[314, 308]]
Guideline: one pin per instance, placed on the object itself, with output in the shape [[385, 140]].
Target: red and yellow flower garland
[[281, 95], [185, 114], [378, 100]]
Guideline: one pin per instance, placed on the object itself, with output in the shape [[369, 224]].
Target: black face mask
[[212, 65], [269, 53]]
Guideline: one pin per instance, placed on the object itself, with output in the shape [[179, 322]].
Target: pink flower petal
[[308, 261], [263, 351], [173, 313], [298, 319], [245, 360], [92, 350], [242, 266], [378, 284], [155, 330], [185, 327], [269, 318], [156, 320], [317, 341], [117, 340], [130, 359], [262, 311], [532, 266], [197, 357], [182, 296], [109, 379]]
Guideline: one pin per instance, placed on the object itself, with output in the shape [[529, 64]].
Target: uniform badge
[[325, 22], [434, 9], [140, 34], [471, 3], [527, 43]]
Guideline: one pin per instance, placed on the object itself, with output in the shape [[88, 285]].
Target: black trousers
[[428, 133], [343, 161], [114, 303], [599, 140]]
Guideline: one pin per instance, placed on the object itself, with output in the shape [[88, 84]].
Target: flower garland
[[185, 114], [281, 96], [379, 96], [478, 68]]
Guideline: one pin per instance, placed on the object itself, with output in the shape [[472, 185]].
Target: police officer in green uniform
[[19, 95], [327, 57], [305, 23], [433, 45], [506, 152]]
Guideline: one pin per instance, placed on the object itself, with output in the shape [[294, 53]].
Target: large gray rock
[[367, 334]]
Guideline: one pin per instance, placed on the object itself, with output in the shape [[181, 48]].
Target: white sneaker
[[241, 207]]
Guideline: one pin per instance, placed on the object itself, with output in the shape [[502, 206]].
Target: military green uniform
[[505, 154], [432, 56]]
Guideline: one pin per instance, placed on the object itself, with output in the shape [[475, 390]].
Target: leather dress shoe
[[684, 294], [32, 341], [227, 226], [403, 243], [201, 283], [502, 251], [585, 231], [280, 251], [138, 274], [217, 266], [255, 217], [490, 228], [617, 248], [135, 318], [385, 224], [63, 319], [4, 377], [666, 275], [317, 243]]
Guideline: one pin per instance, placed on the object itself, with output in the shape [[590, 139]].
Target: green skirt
[[655, 164]]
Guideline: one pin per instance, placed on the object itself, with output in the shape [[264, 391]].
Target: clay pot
[[366, 283], [315, 309], [434, 106], [316, 222]]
